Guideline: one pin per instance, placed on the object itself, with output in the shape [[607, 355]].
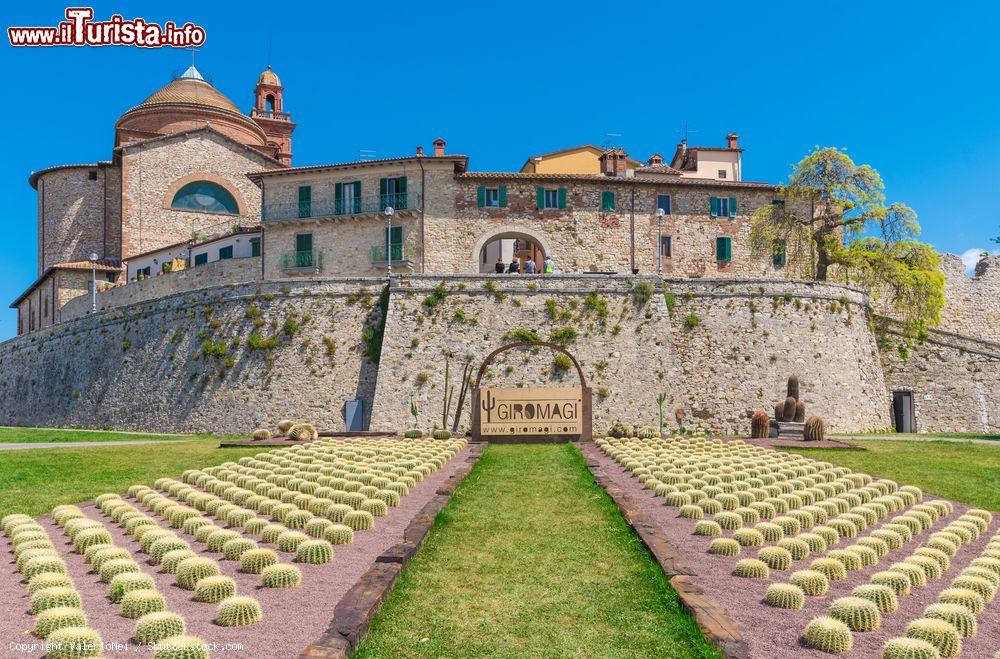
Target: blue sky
[[909, 88]]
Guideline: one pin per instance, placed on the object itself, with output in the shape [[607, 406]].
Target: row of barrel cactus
[[791, 410]]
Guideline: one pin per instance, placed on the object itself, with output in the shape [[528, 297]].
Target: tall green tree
[[833, 223]]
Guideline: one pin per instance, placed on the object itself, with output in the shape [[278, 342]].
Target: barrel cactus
[[785, 596], [760, 425], [748, 537], [724, 547], [811, 582], [101, 554], [788, 409], [50, 598], [300, 432], [815, 429], [48, 580], [38, 564], [898, 581], [190, 571], [831, 568], [234, 549], [359, 520], [56, 618], [272, 532], [137, 603], [957, 615], [315, 552], [261, 434], [173, 558], [73, 643], [985, 588], [285, 425], [909, 648], [828, 635], [339, 534], [884, 597], [91, 536], [255, 560], [707, 528], [218, 539], [214, 589], [938, 633], [859, 614], [776, 558], [751, 568], [237, 611], [181, 647], [281, 575], [157, 626], [159, 548]]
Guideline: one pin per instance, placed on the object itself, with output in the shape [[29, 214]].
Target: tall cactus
[[447, 393], [759, 425], [788, 412], [779, 410], [793, 387], [800, 412]]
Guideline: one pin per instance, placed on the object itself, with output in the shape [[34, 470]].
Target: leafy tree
[[833, 223]]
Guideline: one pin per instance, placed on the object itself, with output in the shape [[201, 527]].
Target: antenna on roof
[[366, 154], [687, 132], [610, 139], [270, 40]]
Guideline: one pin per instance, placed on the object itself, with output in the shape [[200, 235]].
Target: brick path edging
[[356, 608], [713, 618]]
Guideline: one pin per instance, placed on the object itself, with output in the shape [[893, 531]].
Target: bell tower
[[269, 113]]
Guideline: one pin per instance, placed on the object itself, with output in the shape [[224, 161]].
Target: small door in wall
[[902, 411], [354, 415]]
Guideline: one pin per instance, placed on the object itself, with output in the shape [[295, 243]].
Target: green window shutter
[[357, 196], [723, 249], [303, 242], [383, 185], [338, 198], [732, 207], [713, 204], [562, 197], [540, 197], [503, 196], [607, 201], [305, 193], [481, 196]]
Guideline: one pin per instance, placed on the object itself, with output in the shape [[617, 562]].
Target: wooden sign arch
[[532, 414]]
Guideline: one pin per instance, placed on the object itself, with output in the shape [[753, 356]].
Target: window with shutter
[[394, 240], [713, 205], [723, 249], [665, 247], [663, 203], [480, 196], [779, 257], [338, 198], [502, 191], [305, 200], [732, 207], [201, 259], [540, 198], [225, 252], [562, 197], [607, 200]]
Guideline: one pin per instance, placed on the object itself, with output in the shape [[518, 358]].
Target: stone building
[[176, 173]]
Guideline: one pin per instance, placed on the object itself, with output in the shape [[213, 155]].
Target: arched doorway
[[507, 246]]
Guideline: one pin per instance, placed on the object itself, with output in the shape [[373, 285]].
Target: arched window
[[270, 102], [206, 197]]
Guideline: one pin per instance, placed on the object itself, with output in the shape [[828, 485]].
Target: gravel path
[[127, 442], [293, 617], [771, 632]]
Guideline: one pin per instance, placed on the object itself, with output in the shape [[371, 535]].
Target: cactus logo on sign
[[531, 411]]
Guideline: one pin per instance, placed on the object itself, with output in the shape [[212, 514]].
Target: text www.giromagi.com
[[80, 29], [86, 649]]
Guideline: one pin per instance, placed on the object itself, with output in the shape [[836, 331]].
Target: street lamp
[[388, 242], [93, 282], [659, 240]]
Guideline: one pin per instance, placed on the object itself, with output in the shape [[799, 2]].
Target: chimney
[[438, 147], [734, 140], [420, 152], [614, 161], [655, 159]]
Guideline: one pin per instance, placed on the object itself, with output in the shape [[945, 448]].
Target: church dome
[[186, 102], [269, 77], [190, 88]]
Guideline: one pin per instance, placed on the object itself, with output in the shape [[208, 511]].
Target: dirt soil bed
[[293, 617], [771, 633]]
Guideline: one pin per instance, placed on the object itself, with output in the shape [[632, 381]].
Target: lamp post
[[659, 239], [388, 242], [93, 282]]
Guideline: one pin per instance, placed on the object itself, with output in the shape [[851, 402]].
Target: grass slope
[[531, 558], [969, 473], [30, 435], [33, 481]]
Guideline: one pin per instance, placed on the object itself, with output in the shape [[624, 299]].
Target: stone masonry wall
[[955, 383], [719, 349], [972, 304], [216, 273], [185, 362], [152, 173], [70, 216]]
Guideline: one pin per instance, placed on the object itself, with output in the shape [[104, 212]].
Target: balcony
[[401, 257], [306, 262], [347, 207]]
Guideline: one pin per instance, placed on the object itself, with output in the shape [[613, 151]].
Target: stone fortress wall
[[720, 349], [187, 362], [173, 353]]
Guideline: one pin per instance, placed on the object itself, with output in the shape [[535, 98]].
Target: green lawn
[[969, 473], [32, 481], [900, 435], [532, 558], [31, 435]]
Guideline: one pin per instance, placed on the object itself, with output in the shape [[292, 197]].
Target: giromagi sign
[[531, 413]]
